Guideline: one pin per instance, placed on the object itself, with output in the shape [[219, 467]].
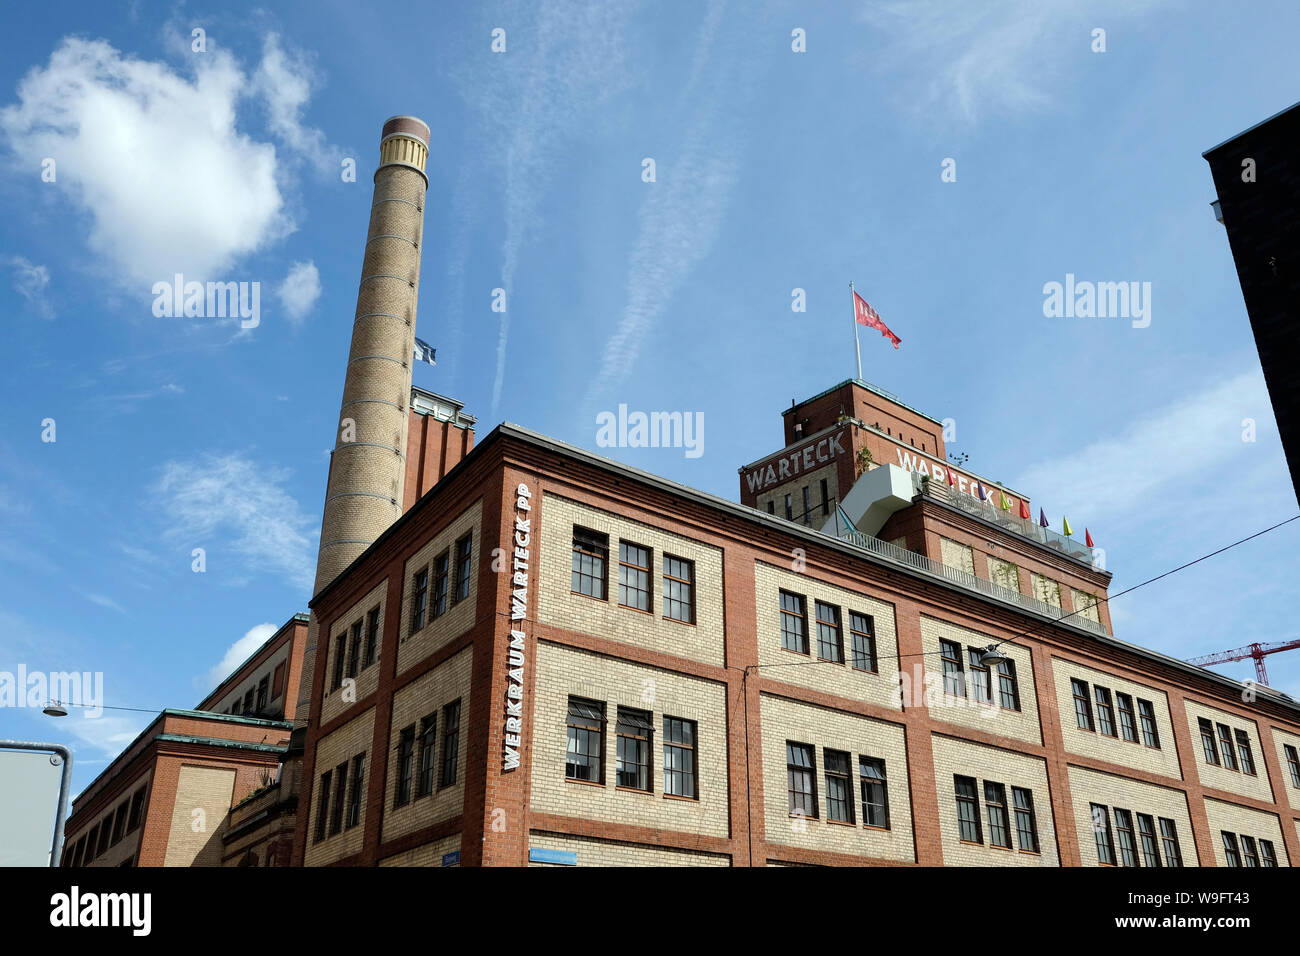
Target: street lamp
[[55, 709]]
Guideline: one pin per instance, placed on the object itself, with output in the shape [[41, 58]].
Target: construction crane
[[1256, 652]]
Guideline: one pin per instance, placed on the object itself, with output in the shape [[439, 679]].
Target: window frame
[[593, 727], [868, 785], [1293, 763], [634, 730], [426, 746], [1023, 814], [1173, 851], [677, 742], [372, 638], [966, 794], [860, 638], [356, 791], [464, 568], [449, 766], [801, 616], [1099, 832], [995, 809], [832, 625], [954, 673], [1245, 753], [685, 586], [1126, 837], [404, 766], [440, 588], [979, 676], [592, 547], [1105, 709], [806, 794], [419, 600], [839, 777], [628, 568], [1231, 852], [1209, 743], [1147, 716], [1128, 730]]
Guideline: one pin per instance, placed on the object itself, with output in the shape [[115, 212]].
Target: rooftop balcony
[[842, 528], [1006, 520]]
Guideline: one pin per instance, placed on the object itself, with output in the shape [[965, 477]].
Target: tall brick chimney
[[368, 468]]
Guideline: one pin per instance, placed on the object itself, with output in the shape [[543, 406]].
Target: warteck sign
[[780, 470], [514, 725]]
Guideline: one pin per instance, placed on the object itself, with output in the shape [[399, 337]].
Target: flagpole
[[856, 347]]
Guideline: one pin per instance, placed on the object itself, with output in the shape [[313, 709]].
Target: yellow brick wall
[[562, 672], [430, 854], [785, 720], [1281, 737], [459, 617], [1045, 589], [1243, 820], [1004, 573], [967, 712], [195, 839], [558, 605], [1086, 605], [794, 489], [352, 738], [425, 695], [952, 757], [594, 852], [879, 688], [368, 679], [957, 555], [1089, 786], [1137, 756], [1220, 777]]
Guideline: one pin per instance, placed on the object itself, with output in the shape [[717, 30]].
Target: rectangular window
[[1267, 856], [771, 507], [136, 816], [875, 792], [356, 790], [105, 832], [248, 700], [464, 552], [980, 687], [954, 679], [277, 681], [1249, 856], [441, 573], [1292, 763], [340, 663], [807, 505], [1105, 713], [323, 805], [1127, 838], [1147, 718], [372, 638], [679, 589], [1026, 823], [633, 733], [839, 788], [794, 623], [995, 805], [826, 499], [679, 758], [862, 641], [1245, 753], [428, 755], [405, 766], [1169, 839], [801, 776], [1082, 705], [1127, 722], [340, 792], [450, 743], [1230, 852], [419, 599], [968, 810], [590, 552], [90, 843], [830, 639], [263, 688], [586, 730], [1008, 687], [1225, 747], [119, 822], [1207, 741], [354, 651], [789, 509], [634, 573], [1101, 834], [1147, 840]]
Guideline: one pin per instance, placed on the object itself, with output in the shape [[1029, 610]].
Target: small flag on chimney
[[423, 353]]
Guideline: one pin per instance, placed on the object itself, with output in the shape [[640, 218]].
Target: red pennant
[[951, 480], [1088, 538], [1024, 511]]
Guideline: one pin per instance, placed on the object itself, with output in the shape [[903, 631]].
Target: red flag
[[951, 480], [1088, 538], [1024, 511], [866, 315]]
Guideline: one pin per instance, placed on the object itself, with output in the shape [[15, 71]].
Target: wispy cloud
[[32, 282], [107, 602], [285, 80], [231, 501], [998, 57], [299, 291], [531, 99], [1171, 447], [237, 653]]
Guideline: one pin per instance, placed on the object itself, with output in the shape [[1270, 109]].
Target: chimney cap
[[411, 125]]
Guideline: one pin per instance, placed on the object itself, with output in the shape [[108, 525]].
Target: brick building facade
[[580, 663]]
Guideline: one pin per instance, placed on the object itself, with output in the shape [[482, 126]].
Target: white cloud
[[155, 157], [285, 81], [299, 291], [1000, 56], [239, 652], [1168, 449], [31, 282], [229, 501], [107, 602]]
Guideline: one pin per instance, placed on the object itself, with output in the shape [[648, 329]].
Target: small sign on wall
[[556, 857]]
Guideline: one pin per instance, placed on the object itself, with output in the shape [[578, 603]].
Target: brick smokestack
[[368, 466]]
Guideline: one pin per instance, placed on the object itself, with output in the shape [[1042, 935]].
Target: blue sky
[[774, 171]]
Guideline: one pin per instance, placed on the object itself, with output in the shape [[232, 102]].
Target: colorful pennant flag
[[1004, 504], [864, 314], [1042, 518], [1024, 511], [1065, 524], [1087, 537], [951, 479]]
